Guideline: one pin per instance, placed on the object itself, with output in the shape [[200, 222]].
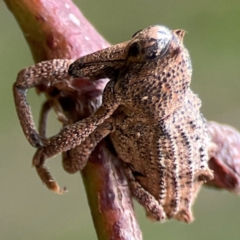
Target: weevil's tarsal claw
[[48, 180], [44, 174]]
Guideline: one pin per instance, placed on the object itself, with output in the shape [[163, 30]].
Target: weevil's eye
[[134, 50], [149, 44], [156, 48], [158, 43]]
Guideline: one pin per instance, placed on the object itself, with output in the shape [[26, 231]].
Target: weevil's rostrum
[[149, 112]]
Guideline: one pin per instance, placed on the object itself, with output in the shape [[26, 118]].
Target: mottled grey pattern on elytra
[[149, 112]]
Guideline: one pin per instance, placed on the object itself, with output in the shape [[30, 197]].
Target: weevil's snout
[[100, 64]]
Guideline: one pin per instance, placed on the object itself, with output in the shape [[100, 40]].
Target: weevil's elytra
[[148, 110]]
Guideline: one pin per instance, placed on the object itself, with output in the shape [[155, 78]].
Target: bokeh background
[[29, 211]]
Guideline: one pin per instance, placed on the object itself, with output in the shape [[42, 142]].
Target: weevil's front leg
[[46, 107], [76, 158], [47, 73], [73, 160], [43, 118], [75, 134], [154, 209]]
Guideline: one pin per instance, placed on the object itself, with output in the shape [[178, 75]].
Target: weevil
[[148, 110]]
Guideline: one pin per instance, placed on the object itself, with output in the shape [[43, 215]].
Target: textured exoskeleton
[[149, 112]]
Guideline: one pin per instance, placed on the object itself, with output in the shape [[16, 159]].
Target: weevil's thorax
[[156, 82]]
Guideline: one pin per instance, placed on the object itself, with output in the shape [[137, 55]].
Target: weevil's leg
[[46, 176], [154, 209], [76, 159], [42, 126], [48, 73], [74, 134], [46, 107], [42, 171]]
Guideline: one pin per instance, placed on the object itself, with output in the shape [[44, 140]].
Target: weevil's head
[[153, 43], [149, 44]]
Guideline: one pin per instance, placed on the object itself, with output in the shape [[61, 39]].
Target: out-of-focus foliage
[[29, 211]]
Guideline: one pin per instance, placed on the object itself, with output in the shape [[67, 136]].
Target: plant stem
[[57, 29]]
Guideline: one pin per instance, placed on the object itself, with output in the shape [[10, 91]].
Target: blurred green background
[[29, 211]]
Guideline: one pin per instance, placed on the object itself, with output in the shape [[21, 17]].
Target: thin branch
[[57, 29]]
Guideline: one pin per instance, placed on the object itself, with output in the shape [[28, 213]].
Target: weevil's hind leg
[[75, 159], [47, 73], [152, 206]]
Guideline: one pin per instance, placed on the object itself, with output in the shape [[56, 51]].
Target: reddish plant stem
[[57, 29]]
